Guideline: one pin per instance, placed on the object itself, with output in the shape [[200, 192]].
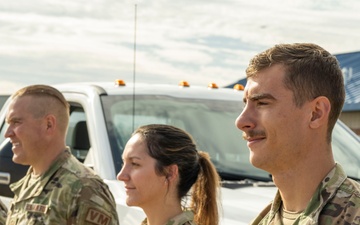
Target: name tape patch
[[37, 208]]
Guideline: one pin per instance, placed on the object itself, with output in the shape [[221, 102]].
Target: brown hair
[[170, 145], [311, 71], [47, 101]]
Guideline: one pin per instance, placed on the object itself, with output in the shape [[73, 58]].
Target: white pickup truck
[[103, 116]]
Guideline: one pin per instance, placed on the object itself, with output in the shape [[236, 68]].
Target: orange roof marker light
[[120, 82], [238, 87], [184, 83], [212, 86]]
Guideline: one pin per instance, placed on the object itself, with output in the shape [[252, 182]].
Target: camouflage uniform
[[3, 212], [336, 201], [67, 193], [185, 218]]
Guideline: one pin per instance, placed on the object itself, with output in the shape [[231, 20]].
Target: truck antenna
[[134, 69]]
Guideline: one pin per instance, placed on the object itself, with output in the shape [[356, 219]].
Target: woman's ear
[[172, 172], [320, 112]]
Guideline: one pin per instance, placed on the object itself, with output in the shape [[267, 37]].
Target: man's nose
[[245, 120], [9, 132]]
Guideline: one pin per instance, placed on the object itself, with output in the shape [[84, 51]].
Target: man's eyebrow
[[256, 97], [12, 119]]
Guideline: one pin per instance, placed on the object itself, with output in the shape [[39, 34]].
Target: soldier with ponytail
[[166, 176]]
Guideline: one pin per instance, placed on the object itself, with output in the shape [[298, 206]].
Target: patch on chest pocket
[[96, 217]]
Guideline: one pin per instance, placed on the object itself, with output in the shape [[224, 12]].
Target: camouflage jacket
[[3, 211], [67, 193], [336, 201], [185, 218]]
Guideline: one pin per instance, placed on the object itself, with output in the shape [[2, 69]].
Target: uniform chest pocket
[[36, 213]]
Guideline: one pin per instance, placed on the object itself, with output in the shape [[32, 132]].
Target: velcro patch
[[37, 208], [97, 200], [96, 217], [13, 221]]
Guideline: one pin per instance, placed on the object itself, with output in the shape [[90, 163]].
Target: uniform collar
[[325, 191], [22, 192]]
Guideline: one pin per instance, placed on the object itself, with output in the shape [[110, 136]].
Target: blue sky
[[56, 41]]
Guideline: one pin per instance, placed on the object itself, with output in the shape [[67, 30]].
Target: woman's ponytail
[[205, 192]]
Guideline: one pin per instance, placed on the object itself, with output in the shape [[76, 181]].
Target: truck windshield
[[212, 125]]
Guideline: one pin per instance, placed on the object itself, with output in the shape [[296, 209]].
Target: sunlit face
[[271, 123], [144, 188], [24, 131]]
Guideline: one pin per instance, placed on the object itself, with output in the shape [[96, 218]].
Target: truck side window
[[77, 137], [3, 128]]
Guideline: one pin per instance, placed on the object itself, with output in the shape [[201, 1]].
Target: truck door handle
[[4, 178]]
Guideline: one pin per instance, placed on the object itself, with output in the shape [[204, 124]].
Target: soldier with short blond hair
[[57, 188]]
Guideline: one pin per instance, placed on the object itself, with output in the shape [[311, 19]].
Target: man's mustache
[[253, 134]]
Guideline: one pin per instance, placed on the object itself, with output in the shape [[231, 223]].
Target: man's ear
[[172, 172], [50, 123], [320, 112]]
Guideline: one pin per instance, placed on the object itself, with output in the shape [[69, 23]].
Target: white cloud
[[7, 88], [201, 41]]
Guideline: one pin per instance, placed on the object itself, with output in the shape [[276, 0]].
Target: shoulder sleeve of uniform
[[2, 220], [95, 205], [3, 212], [345, 205], [3, 209], [262, 215]]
